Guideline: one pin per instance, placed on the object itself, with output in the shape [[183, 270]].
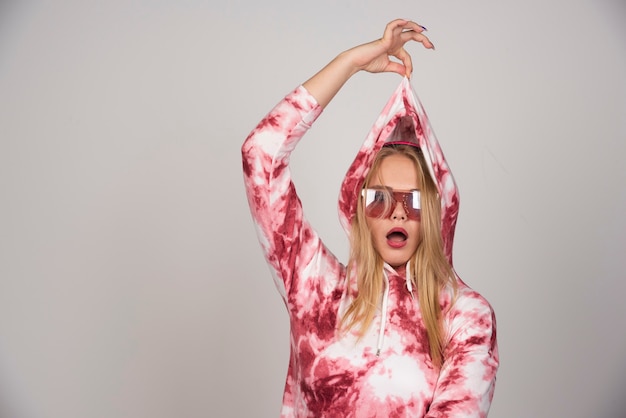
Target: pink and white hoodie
[[388, 372]]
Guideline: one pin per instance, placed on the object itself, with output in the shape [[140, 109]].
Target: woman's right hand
[[373, 57]]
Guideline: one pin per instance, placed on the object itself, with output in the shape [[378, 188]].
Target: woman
[[394, 333]]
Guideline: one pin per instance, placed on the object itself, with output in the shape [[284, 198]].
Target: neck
[[401, 269]]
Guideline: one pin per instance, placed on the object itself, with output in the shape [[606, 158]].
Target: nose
[[399, 213]]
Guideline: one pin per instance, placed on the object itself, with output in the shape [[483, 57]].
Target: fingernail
[[423, 27]]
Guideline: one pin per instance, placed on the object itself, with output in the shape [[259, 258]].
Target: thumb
[[396, 67]]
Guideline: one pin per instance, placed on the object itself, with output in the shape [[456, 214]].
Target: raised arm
[[289, 243]]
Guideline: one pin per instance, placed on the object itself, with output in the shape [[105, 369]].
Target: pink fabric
[[336, 375]]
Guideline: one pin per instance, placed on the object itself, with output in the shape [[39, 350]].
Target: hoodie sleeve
[[289, 243], [467, 379]]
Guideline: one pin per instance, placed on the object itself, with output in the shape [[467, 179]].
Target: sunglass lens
[[376, 201], [412, 204]]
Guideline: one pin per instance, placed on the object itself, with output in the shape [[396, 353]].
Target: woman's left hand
[[374, 56]]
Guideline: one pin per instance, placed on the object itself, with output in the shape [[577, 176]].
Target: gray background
[[131, 282]]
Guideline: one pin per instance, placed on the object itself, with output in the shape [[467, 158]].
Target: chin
[[397, 257], [396, 262]]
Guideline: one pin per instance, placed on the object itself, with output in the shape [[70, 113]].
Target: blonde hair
[[432, 273]]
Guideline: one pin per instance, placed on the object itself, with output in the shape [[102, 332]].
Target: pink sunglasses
[[381, 202]]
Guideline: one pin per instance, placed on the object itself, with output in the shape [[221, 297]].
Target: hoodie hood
[[403, 119]]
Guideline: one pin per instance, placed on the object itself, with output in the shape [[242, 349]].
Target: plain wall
[[131, 281]]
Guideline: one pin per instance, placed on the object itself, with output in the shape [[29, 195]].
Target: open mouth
[[397, 237]]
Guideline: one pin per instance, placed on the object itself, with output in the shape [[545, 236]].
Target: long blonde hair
[[432, 273]]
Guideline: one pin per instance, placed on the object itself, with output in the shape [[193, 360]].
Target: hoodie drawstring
[[409, 281], [383, 316]]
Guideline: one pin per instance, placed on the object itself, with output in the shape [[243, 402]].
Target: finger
[[394, 26], [406, 59], [410, 25], [418, 37]]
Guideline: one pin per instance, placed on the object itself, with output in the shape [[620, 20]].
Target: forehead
[[396, 171]]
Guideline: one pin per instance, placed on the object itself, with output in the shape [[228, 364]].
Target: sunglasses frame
[[386, 208]]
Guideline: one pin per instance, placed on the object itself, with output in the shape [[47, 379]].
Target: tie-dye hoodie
[[388, 372]]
